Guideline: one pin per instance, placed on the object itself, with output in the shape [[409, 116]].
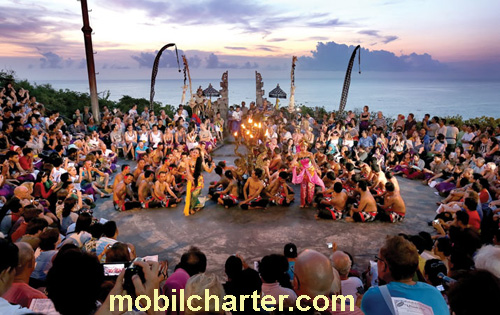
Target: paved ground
[[220, 232]]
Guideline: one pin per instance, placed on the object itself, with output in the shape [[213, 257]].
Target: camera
[[129, 273], [112, 270], [329, 245]]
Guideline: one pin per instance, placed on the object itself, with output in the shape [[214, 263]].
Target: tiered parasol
[[277, 93]]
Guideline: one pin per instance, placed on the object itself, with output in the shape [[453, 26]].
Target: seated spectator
[[108, 238], [118, 252], [78, 233], [192, 262], [476, 293], [9, 258], [488, 258], [20, 292], [272, 269], [241, 280], [350, 285], [49, 239], [200, 284], [397, 262], [33, 230], [432, 269], [79, 295], [314, 276]]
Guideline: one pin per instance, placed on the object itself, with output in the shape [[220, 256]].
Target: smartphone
[[436, 221], [329, 245], [113, 269]]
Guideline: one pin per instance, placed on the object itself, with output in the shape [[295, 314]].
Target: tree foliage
[[66, 101]]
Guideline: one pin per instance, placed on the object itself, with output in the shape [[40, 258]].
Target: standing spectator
[[451, 136]]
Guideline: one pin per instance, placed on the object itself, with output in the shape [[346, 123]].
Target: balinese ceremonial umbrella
[[209, 92], [277, 93]]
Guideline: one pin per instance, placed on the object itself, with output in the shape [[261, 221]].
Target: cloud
[[194, 62], [26, 26], [168, 59], [249, 65], [319, 38], [212, 62], [388, 39], [327, 23], [277, 40], [247, 17], [114, 66], [235, 48], [267, 48], [153, 8], [82, 64], [51, 60], [333, 56], [375, 33]]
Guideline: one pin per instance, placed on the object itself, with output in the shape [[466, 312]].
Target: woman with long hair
[[194, 187]]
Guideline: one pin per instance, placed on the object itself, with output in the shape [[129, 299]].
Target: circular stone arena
[[221, 232]]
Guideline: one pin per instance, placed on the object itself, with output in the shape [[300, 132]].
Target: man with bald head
[[342, 262], [314, 277], [20, 292]]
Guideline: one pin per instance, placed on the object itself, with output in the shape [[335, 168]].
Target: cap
[[290, 250]]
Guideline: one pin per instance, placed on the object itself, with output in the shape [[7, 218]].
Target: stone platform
[[221, 232]]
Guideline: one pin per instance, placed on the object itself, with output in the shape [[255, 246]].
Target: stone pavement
[[221, 232]]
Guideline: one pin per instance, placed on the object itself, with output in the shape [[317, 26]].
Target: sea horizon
[[396, 94]]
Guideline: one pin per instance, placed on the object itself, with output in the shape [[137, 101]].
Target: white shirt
[[349, 287], [7, 308], [237, 115], [467, 137]]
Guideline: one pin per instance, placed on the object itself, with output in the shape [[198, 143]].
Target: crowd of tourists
[[55, 169]]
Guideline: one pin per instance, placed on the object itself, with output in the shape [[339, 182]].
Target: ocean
[[391, 94]]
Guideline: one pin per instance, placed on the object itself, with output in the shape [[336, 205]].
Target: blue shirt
[[373, 302], [365, 142]]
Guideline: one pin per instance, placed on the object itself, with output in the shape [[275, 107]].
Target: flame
[[243, 126], [236, 134], [248, 132], [255, 125], [251, 136], [250, 120], [260, 125], [267, 133]]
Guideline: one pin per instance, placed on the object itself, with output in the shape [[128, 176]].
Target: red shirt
[[25, 162], [20, 293], [474, 219], [19, 232]]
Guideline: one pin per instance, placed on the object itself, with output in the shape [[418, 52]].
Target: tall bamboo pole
[[89, 53]]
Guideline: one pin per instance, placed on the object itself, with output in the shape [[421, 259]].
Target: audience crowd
[[54, 169]]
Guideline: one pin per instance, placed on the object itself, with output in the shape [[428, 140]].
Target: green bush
[[66, 102]]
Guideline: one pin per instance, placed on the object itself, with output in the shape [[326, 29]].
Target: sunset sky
[[43, 38]]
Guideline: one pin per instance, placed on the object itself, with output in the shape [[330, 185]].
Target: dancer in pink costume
[[308, 175]]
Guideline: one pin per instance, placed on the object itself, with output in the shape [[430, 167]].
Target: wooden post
[[89, 53]]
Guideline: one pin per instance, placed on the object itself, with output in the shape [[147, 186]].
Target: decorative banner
[[155, 70], [347, 80]]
